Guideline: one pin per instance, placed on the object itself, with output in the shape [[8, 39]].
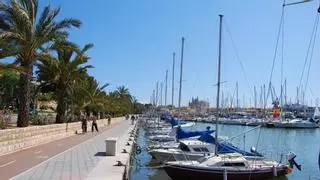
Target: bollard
[[274, 171], [225, 174], [111, 146]]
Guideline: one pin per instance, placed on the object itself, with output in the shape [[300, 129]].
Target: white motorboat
[[189, 149], [163, 145], [296, 123], [162, 138]]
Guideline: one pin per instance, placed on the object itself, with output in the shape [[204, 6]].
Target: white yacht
[[296, 123], [189, 149]]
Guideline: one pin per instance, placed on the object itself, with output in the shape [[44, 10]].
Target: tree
[[9, 88], [123, 93], [9, 67], [125, 99], [112, 104], [2, 69], [95, 96], [27, 37], [61, 73]]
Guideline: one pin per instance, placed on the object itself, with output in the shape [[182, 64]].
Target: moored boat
[[296, 123], [232, 165]]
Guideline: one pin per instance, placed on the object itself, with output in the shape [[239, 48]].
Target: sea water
[[274, 143]]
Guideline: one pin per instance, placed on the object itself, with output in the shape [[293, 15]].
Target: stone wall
[[12, 140]]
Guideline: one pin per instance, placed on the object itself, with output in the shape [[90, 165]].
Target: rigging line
[[277, 44], [234, 92], [308, 52], [311, 55], [275, 54], [238, 58], [257, 144], [312, 95]]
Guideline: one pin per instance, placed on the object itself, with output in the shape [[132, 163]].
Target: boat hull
[[183, 173], [174, 156], [297, 125]]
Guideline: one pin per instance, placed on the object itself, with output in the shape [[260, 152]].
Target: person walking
[[109, 119], [94, 125], [132, 119], [84, 124]]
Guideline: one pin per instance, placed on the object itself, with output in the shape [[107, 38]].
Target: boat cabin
[[196, 146], [226, 160]]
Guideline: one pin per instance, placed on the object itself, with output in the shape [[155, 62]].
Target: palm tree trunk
[[61, 107], [24, 96]]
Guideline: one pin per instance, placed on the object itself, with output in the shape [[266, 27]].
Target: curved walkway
[[69, 158]]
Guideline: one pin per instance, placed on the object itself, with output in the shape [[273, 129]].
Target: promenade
[[70, 158]]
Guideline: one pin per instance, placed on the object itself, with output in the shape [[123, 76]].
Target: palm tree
[[123, 93], [112, 104], [12, 67], [125, 99], [2, 68], [94, 96], [28, 35], [61, 73]]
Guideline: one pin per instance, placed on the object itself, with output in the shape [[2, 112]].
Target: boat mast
[[161, 97], [297, 97], [154, 97], [181, 68], [218, 85], [237, 89], [172, 95], [285, 92], [166, 89], [261, 100], [264, 99], [255, 97], [157, 93]]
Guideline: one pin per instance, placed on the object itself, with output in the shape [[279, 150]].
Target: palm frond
[[43, 17], [31, 6], [87, 47], [104, 86], [67, 23], [21, 14], [65, 45], [6, 35]]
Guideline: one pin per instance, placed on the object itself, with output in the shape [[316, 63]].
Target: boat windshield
[[200, 149], [184, 147]]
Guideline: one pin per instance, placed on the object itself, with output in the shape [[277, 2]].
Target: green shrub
[[42, 119]]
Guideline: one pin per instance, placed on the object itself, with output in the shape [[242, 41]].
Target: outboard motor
[[291, 156]]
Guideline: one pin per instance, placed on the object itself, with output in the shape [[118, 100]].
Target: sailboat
[[231, 166], [316, 114]]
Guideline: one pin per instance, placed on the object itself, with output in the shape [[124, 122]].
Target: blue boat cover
[[225, 147], [205, 136], [187, 134], [170, 119]]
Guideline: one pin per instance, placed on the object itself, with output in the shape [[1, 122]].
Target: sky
[[134, 42]]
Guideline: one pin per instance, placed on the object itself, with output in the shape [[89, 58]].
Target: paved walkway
[[76, 162], [69, 158], [106, 169]]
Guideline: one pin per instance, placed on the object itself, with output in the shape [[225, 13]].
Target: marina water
[[273, 143]]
